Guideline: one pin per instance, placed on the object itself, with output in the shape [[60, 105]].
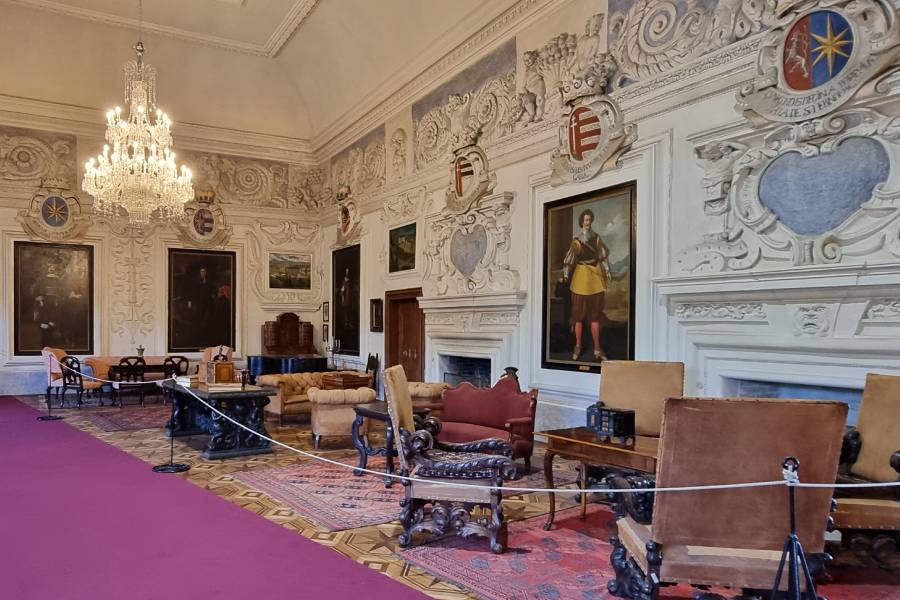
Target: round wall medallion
[[55, 211], [816, 49]]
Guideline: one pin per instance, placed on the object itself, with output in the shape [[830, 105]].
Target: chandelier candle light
[[137, 170]]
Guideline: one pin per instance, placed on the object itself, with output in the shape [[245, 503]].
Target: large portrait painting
[[201, 299], [290, 271], [402, 248], [345, 300], [589, 258], [53, 297]]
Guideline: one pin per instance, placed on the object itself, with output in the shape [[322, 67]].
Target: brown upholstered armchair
[[503, 411], [292, 397], [332, 411], [730, 538], [869, 518], [482, 462], [428, 395]]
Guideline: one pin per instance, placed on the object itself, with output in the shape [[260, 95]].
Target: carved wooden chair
[[730, 538], [869, 518], [371, 369], [128, 376], [483, 462], [73, 380], [52, 364], [173, 366]]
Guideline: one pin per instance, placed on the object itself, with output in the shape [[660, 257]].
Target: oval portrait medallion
[[816, 49]]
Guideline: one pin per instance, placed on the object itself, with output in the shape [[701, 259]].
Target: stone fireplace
[[482, 327]]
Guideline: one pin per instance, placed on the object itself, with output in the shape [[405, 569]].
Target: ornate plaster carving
[[885, 309], [861, 42], [403, 207], [489, 110], [592, 133], [745, 231], [813, 319], [468, 253], [132, 284], [361, 169], [720, 311], [399, 143], [288, 237], [349, 226], [510, 317], [204, 223], [652, 37], [241, 181], [55, 215], [32, 159], [307, 188]]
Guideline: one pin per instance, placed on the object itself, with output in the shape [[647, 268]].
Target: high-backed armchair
[[332, 411], [484, 462], [869, 518], [503, 411], [730, 538], [52, 365], [642, 386]]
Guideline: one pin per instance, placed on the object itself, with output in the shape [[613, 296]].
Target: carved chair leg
[[527, 465], [498, 527], [408, 508], [631, 582]]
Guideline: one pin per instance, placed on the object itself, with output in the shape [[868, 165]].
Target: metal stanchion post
[[49, 416]]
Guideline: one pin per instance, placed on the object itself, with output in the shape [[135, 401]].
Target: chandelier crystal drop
[[136, 171]]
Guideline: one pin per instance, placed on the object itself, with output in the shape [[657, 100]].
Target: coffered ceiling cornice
[[273, 45]]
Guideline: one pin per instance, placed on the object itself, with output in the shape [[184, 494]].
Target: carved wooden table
[[226, 440], [377, 411], [583, 445]]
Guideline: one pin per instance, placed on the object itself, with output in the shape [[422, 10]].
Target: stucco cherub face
[[530, 58], [593, 25]]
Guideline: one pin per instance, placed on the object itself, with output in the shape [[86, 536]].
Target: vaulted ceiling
[[285, 67]]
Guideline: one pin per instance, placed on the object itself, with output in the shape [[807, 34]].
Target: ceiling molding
[[447, 57], [90, 123], [283, 32]]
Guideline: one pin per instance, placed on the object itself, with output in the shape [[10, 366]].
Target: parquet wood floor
[[374, 546]]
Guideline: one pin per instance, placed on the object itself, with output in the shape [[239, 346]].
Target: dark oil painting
[[201, 299], [345, 300], [402, 248], [53, 297], [290, 271], [589, 259]]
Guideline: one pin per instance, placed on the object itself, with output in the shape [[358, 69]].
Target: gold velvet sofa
[[293, 397]]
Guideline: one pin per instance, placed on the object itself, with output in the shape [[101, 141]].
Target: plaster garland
[[31, 159], [720, 311]]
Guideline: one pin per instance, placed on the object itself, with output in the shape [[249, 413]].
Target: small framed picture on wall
[[325, 333], [376, 315], [324, 312]]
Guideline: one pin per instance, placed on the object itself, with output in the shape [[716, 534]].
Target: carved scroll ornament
[[824, 191]]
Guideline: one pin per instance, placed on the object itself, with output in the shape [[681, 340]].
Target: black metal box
[[611, 422]]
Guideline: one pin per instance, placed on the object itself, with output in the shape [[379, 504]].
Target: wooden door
[[405, 332]]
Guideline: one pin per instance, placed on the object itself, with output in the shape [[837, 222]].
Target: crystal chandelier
[[137, 171]]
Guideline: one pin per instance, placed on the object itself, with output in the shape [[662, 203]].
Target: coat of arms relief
[[817, 182]]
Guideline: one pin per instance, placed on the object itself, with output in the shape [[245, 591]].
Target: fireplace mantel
[[482, 325]]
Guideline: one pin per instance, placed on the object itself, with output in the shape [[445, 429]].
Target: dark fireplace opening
[[457, 369]]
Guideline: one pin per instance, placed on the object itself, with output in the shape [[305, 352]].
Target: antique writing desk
[[226, 440], [583, 445]]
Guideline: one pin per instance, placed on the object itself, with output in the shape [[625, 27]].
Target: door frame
[[391, 351]]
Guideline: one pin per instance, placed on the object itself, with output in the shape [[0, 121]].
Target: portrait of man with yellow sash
[[587, 271], [589, 279]]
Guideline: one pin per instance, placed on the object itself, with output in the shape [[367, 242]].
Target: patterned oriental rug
[[572, 561], [130, 418], [337, 500]]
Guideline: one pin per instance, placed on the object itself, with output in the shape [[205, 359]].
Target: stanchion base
[[172, 468], [49, 418]]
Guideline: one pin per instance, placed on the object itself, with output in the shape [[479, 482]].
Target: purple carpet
[[82, 519]]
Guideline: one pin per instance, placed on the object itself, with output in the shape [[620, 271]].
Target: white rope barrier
[[787, 482]]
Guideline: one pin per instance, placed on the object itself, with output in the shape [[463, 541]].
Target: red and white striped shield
[[584, 132], [463, 171]]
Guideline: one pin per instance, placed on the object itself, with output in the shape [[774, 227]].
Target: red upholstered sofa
[[503, 411]]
